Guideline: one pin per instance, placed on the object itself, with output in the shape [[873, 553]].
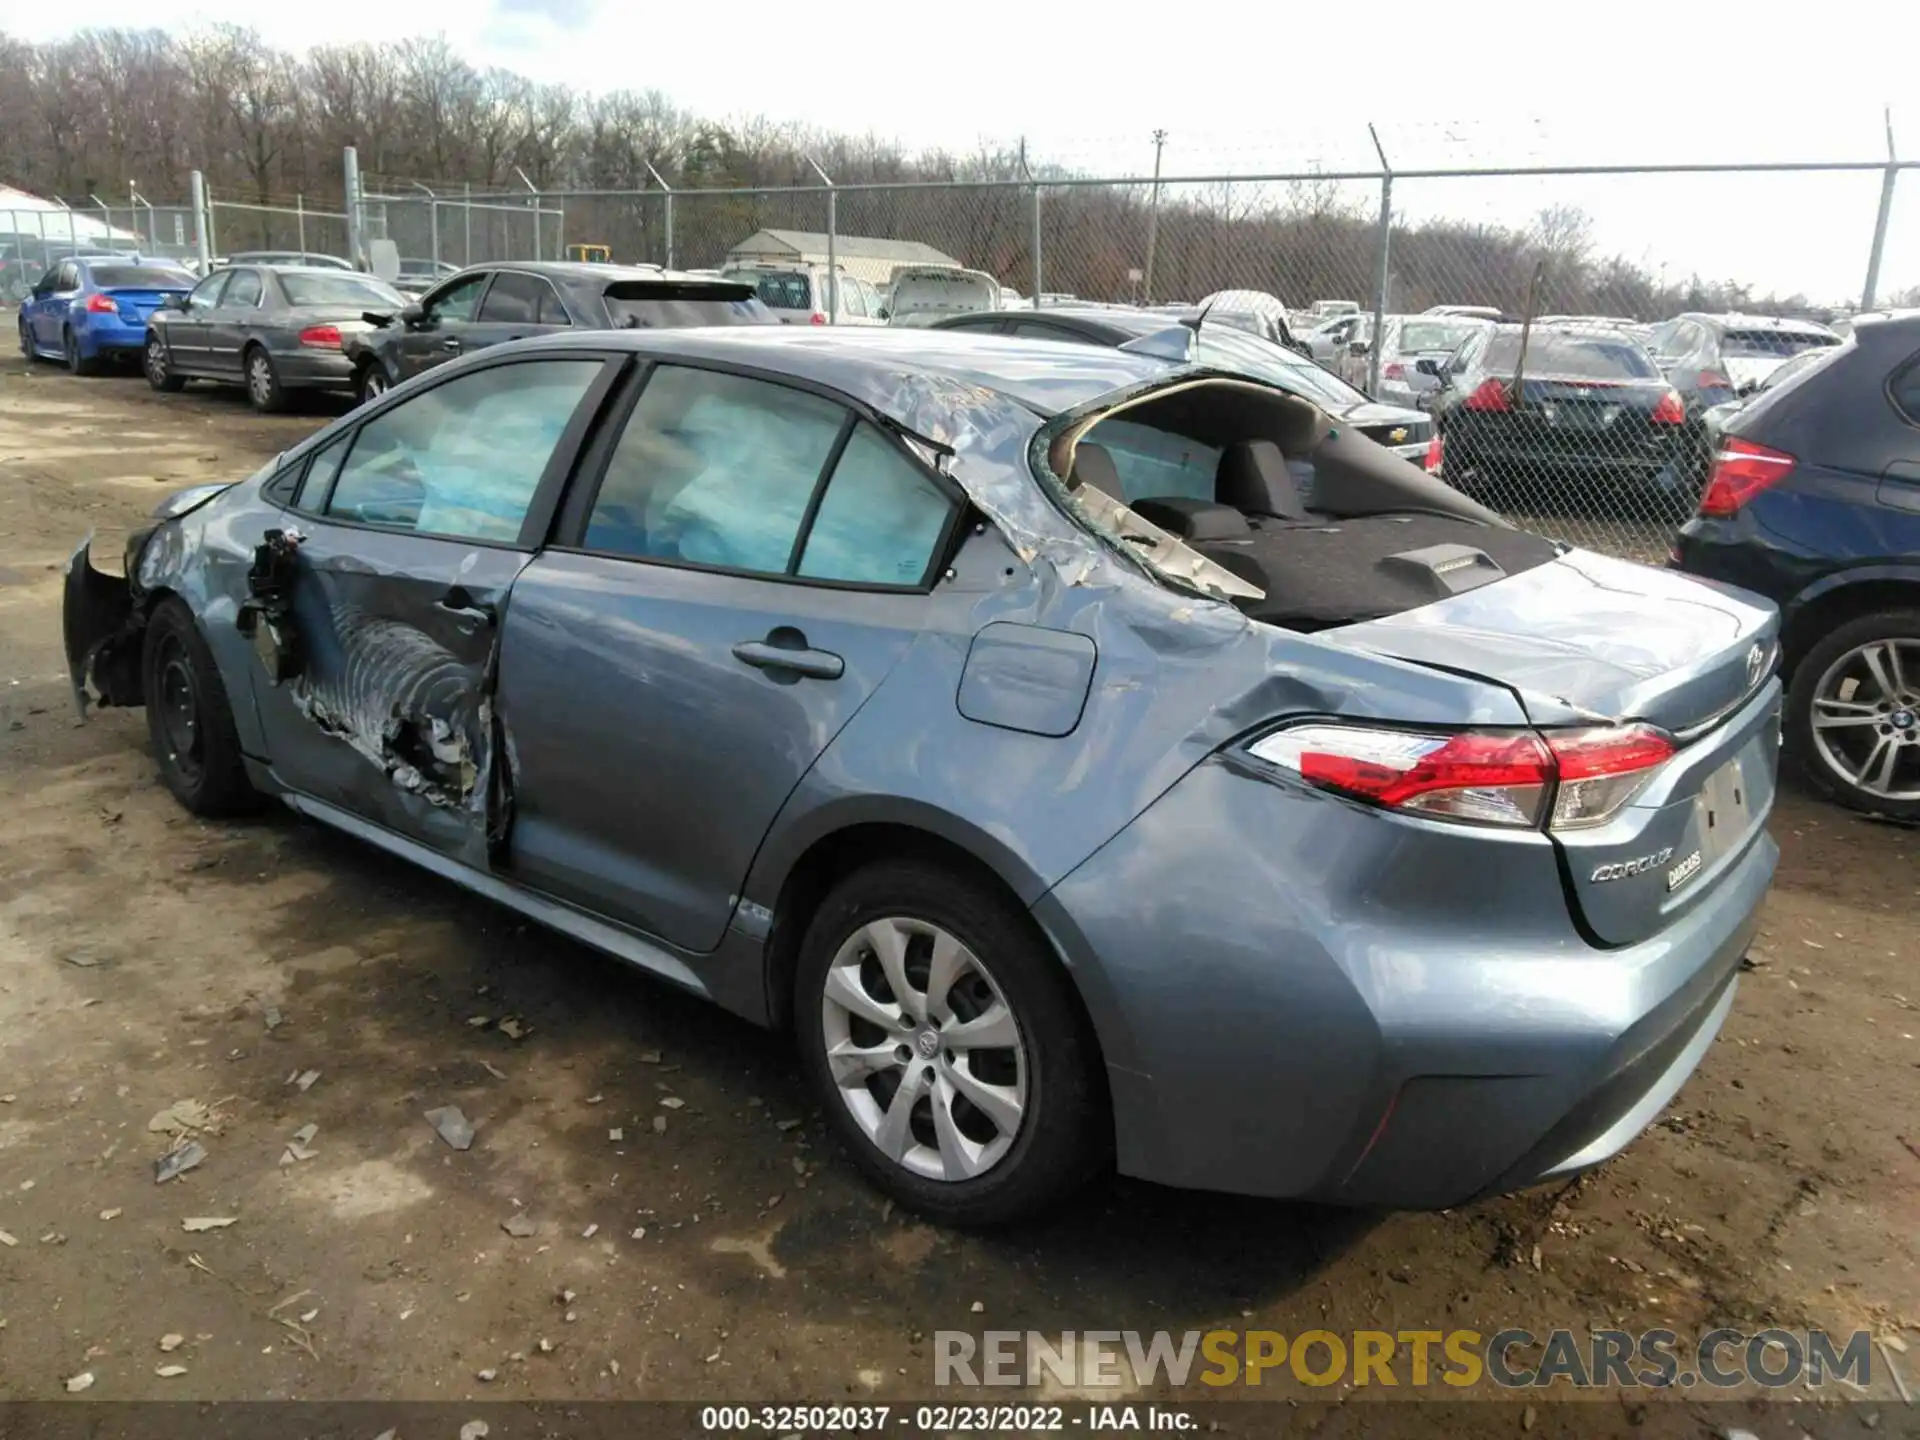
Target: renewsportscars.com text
[[1508, 1359]]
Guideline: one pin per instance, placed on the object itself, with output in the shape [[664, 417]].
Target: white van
[[804, 294]]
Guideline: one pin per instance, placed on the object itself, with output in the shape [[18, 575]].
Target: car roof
[[898, 372]]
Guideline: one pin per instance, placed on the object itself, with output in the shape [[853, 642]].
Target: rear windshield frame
[[1549, 352], [682, 304], [373, 293]]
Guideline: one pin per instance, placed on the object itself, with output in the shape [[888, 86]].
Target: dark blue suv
[[1814, 501]]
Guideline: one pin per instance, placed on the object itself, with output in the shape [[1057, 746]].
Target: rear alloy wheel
[[159, 369], [78, 363], [263, 384], [946, 1046], [189, 717], [1853, 714], [373, 382]]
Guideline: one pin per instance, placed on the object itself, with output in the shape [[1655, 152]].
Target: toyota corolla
[[1091, 758]]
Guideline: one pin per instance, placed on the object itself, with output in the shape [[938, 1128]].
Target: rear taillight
[[101, 305], [1714, 380], [1670, 410], [817, 318], [1436, 455], [321, 337], [1741, 471], [1393, 370], [1600, 771], [1488, 779], [1490, 396], [1568, 780]]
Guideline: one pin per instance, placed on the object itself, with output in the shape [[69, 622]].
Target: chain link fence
[[460, 227], [288, 226]]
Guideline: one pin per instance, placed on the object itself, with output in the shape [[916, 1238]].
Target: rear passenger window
[[880, 520], [714, 470], [551, 311], [244, 290], [513, 300], [1904, 387], [464, 458]]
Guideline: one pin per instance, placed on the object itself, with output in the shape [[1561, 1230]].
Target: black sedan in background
[[1408, 433], [1583, 415], [1814, 502], [272, 329], [491, 304]]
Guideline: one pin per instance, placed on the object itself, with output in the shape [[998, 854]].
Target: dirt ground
[[147, 958]]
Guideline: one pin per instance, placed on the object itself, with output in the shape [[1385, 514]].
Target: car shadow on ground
[[397, 965]]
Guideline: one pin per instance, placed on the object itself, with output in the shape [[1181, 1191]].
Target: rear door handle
[[816, 664]]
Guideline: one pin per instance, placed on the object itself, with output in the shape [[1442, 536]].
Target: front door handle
[[452, 342], [459, 603], [766, 655]]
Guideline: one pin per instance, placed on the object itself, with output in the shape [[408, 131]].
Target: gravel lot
[[147, 958]]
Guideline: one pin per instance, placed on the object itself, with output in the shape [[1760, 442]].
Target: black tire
[[76, 362], [26, 341], [1065, 1132], [157, 362], [264, 391], [189, 717], [1811, 673], [370, 383]]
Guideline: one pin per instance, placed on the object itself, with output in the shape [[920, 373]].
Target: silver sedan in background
[[272, 329]]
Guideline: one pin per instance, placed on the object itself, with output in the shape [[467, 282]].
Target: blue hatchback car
[[91, 308]]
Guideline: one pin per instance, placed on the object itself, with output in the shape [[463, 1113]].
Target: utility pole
[[1153, 217]]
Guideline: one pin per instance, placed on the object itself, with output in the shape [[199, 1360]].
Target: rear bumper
[[110, 335], [314, 370], [1297, 997]]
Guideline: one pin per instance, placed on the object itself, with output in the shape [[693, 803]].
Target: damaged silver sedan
[[1091, 758]]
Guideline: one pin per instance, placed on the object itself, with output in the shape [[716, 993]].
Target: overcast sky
[[1264, 87]]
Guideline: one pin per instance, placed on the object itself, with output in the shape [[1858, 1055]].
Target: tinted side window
[[322, 466], [1904, 387], [880, 519], [1032, 330], [551, 311], [244, 290], [714, 470], [465, 457], [514, 299], [457, 301]]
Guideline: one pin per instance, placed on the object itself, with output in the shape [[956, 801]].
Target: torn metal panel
[[406, 703]]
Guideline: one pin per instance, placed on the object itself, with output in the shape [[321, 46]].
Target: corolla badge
[[1625, 869]]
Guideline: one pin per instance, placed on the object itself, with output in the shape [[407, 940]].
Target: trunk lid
[[1590, 640], [1595, 636], [137, 303]]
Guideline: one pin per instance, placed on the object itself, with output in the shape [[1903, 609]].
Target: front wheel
[[263, 383], [947, 1046], [1853, 714], [189, 717], [159, 368]]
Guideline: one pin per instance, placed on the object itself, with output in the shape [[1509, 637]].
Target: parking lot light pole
[[1887, 182], [666, 190], [433, 221], [1381, 260], [833, 230], [1153, 217], [350, 173]]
